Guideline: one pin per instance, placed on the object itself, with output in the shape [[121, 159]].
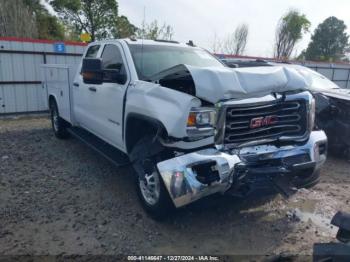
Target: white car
[[189, 125]]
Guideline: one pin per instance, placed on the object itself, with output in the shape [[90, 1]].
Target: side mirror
[[92, 71], [115, 74]]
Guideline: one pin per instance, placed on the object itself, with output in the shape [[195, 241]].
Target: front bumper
[[195, 175]]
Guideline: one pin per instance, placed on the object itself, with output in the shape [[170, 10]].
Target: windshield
[[152, 59]]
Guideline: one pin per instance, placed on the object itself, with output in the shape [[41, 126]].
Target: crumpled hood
[[340, 93], [320, 84], [220, 83]]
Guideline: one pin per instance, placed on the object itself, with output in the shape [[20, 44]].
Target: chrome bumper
[[181, 174]]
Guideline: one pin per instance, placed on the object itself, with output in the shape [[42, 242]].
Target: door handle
[[92, 89], [76, 84]]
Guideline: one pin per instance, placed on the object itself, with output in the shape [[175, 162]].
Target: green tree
[[123, 28], [48, 26], [96, 17], [329, 41], [155, 31], [289, 31]]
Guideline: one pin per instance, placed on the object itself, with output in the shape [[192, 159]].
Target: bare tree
[[228, 44], [241, 37], [289, 31], [235, 43], [155, 31], [216, 44], [167, 32], [17, 20]]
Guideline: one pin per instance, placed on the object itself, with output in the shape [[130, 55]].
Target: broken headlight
[[201, 122]]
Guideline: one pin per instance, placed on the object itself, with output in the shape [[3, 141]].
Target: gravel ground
[[59, 197]]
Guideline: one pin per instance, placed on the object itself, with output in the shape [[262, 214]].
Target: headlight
[[312, 114], [201, 122]]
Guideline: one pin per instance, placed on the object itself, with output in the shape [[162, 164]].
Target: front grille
[[245, 123]]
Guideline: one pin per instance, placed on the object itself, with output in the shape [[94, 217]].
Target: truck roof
[[144, 42]]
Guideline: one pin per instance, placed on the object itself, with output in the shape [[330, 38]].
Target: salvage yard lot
[[60, 197]]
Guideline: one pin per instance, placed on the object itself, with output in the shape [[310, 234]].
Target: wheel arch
[[52, 98], [135, 123]]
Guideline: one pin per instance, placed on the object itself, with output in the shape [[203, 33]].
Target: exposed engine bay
[[333, 116]]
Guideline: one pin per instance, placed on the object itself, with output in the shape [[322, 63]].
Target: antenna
[[143, 34], [143, 22]]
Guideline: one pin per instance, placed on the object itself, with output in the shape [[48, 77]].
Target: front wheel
[[59, 126], [150, 188]]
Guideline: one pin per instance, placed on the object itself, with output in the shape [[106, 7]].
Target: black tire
[[307, 179], [59, 125], [146, 170]]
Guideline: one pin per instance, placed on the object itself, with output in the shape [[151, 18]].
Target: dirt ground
[[59, 197]]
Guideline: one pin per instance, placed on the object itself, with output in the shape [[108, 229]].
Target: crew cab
[[189, 125]]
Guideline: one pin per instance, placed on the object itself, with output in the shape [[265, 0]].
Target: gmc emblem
[[263, 121]]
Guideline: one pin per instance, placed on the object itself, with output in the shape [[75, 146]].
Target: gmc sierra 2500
[[189, 125]]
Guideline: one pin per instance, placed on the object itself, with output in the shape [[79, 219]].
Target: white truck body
[[109, 109]]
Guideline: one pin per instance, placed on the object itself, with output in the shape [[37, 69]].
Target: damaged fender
[[168, 106]]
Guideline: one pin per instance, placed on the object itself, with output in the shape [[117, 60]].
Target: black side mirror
[[92, 71], [115, 74]]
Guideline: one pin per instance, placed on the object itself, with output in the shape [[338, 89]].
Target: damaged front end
[[192, 176], [264, 142], [333, 116], [195, 175]]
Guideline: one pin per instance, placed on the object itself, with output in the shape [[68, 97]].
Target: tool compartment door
[[57, 83]]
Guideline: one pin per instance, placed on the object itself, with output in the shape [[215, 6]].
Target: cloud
[[199, 20]]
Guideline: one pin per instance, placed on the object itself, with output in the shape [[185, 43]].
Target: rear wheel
[[59, 125]]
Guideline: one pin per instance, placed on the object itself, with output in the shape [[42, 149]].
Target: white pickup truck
[[189, 125]]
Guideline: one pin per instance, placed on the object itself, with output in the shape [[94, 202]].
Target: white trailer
[[21, 89]]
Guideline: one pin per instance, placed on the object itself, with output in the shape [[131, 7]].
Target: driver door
[[107, 106]]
